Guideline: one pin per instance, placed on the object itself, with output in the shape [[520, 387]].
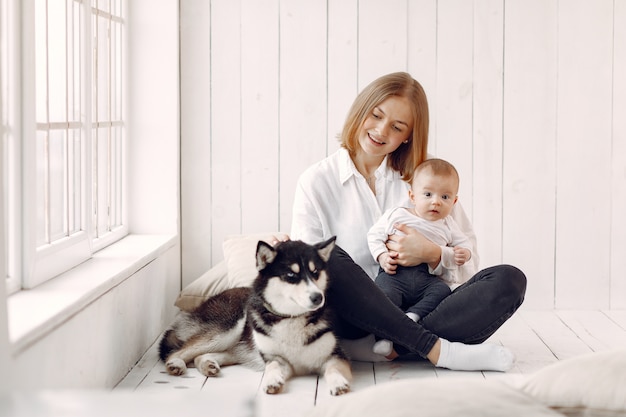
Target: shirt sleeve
[[469, 269], [377, 236], [306, 222]]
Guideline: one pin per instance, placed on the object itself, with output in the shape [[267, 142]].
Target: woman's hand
[[412, 248], [281, 237]]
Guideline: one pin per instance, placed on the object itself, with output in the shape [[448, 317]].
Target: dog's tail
[[169, 343]]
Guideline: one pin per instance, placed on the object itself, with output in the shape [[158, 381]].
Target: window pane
[[41, 189], [102, 71], [57, 181], [75, 181], [57, 60], [74, 65], [41, 63], [100, 161], [116, 76], [117, 179]]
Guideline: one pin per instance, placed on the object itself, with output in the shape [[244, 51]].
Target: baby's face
[[433, 196]]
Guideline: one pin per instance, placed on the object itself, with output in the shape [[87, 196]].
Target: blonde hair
[[408, 156]]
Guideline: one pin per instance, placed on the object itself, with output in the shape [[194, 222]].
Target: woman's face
[[386, 127]]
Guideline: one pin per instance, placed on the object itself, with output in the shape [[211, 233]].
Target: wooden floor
[[538, 338]]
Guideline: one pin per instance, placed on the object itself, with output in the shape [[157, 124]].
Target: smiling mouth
[[373, 139]]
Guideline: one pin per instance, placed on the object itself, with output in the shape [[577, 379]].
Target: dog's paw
[[176, 366], [340, 389], [273, 384], [274, 388], [338, 380], [207, 366]]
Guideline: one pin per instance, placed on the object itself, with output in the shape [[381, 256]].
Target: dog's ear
[[265, 255], [325, 248]]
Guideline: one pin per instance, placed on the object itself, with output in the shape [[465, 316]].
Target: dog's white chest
[[291, 340]]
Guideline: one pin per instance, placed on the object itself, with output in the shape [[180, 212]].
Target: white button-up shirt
[[333, 199]]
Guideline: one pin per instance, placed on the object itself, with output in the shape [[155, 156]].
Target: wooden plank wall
[[527, 99]]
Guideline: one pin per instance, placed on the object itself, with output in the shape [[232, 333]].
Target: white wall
[[527, 99]]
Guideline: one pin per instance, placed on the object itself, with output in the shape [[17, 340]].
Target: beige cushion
[[238, 269], [457, 397], [213, 281], [587, 385]]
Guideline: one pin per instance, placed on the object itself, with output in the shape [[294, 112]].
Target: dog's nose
[[316, 298]]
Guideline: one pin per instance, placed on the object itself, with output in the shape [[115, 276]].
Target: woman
[[383, 140]]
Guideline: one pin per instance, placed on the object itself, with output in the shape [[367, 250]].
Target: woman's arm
[[306, 224]]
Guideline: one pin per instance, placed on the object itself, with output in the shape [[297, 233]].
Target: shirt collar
[[348, 170]]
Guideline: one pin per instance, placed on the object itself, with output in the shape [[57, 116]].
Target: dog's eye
[[290, 276]]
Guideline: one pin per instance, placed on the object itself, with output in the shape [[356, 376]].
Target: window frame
[[28, 264]]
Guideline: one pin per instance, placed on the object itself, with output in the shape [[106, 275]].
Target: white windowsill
[[34, 313]]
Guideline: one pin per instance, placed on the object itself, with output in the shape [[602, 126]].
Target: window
[[72, 135]]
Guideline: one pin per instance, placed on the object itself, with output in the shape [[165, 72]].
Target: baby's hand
[[461, 255], [387, 263]]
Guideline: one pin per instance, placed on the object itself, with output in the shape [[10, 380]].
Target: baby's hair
[[438, 167]]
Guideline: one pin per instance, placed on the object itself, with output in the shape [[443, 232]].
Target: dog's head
[[292, 276]]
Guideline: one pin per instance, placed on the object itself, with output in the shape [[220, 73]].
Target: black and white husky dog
[[281, 324]]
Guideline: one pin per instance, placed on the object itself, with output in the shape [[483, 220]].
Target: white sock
[[482, 357], [383, 347], [362, 349], [413, 316]]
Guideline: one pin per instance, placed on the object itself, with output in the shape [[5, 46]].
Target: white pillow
[[455, 397], [591, 385]]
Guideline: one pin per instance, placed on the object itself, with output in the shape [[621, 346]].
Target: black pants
[[413, 289], [472, 313]]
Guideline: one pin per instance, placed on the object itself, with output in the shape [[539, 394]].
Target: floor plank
[[158, 380], [362, 377], [531, 352], [396, 370], [139, 372], [618, 317], [233, 385], [556, 334], [297, 398], [537, 338], [595, 329]]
